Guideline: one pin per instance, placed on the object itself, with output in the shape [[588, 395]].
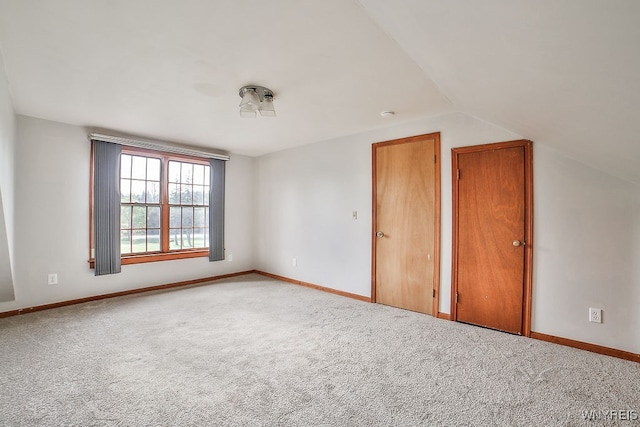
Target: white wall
[[587, 247], [306, 196], [52, 225], [7, 146], [586, 227]]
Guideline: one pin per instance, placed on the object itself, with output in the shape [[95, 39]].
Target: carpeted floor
[[258, 352]]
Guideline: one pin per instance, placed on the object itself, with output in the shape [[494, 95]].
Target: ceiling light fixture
[[256, 98]]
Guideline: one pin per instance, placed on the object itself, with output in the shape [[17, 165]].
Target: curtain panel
[[216, 210], [106, 207]]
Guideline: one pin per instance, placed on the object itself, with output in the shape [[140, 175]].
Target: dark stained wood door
[[491, 234], [406, 222]]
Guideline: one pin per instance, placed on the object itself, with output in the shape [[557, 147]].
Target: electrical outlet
[[595, 315], [230, 257], [52, 279], [354, 215], [294, 262]]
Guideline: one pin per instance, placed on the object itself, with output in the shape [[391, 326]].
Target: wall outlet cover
[[595, 315]]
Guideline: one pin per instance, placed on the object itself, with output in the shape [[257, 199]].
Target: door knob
[[380, 234], [517, 243]]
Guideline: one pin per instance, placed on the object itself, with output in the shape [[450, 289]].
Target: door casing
[[528, 223]]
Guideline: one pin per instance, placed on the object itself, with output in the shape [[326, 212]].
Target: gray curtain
[[106, 207], [216, 210]]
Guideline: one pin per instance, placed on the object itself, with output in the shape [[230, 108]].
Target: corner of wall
[[7, 158]]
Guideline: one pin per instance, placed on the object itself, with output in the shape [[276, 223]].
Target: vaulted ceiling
[[564, 73]]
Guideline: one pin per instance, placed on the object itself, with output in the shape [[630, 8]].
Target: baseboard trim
[[445, 316], [120, 294], [314, 286], [594, 348]]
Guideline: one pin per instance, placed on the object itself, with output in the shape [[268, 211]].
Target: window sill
[[155, 257]]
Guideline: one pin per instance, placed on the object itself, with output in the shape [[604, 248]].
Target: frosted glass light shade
[[266, 108], [250, 101], [247, 114]]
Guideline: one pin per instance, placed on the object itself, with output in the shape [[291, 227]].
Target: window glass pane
[[188, 196], [125, 166], [125, 217], [153, 192], [174, 217], [153, 216], [139, 218], [187, 217], [198, 174], [175, 238], [198, 194], [153, 169], [198, 238], [125, 190], [187, 242], [174, 194], [139, 241], [153, 240], [174, 171], [138, 167], [198, 217], [137, 191], [187, 173], [186, 192], [125, 241]]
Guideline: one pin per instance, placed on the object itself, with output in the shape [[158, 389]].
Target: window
[[188, 205], [164, 206], [139, 204]]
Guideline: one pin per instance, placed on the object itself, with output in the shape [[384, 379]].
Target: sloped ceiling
[[171, 69], [563, 73]]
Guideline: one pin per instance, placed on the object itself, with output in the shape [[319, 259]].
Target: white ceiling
[[564, 73], [171, 69]]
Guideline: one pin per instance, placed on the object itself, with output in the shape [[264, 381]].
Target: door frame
[[528, 224], [374, 216]]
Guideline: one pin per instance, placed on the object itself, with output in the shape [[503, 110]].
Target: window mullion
[[164, 202]]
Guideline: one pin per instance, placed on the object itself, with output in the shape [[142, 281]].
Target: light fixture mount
[[259, 90], [256, 98]]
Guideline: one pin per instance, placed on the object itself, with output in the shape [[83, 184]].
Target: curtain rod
[[159, 146]]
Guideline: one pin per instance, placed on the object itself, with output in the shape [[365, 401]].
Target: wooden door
[[492, 232], [406, 225]]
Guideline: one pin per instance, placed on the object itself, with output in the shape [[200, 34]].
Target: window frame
[[164, 254]]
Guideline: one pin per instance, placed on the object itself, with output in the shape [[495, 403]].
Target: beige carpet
[[254, 351]]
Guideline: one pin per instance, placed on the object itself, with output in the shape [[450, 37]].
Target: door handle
[[517, 243], [380, 234]]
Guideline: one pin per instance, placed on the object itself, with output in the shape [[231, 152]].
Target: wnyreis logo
[[611, 415]]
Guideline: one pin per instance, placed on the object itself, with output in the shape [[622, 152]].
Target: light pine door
[[406, 190], [491, 238]]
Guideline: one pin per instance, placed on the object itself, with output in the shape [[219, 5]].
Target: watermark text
[[611, 415]]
